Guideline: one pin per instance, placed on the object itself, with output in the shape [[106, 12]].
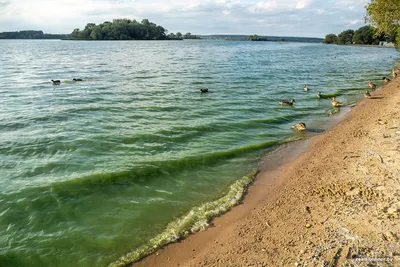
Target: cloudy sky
[[312, 18]]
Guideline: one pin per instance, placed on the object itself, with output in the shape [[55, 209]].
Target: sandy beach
[[335, 201]]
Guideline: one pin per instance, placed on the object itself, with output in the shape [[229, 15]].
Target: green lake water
[[92, 170]]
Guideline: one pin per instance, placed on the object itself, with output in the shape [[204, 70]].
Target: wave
[[195, 220], [152, 169]]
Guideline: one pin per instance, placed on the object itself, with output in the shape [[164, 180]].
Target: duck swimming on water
[[306, 88], [301, 126], [319, 95], [204, 90], [287, 103], [56, 82], [335, 103], [77, 80]]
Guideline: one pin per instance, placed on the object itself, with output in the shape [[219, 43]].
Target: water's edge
[[198, 218], [195, 220]]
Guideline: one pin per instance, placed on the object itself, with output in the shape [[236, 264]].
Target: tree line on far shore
[[365, 36], [31, 35], [126, 29]]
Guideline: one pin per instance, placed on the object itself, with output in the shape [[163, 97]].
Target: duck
[[335, 103], [301, 126], [286, 103], [367, 94], [386, 80], [306, 88], [204, 90], [56, 82], [319, 95], [371, 85], [395, 72], [77, 80]]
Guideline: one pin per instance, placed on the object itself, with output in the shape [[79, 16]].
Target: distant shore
[[379, 46], [334, 200], [364, 45]]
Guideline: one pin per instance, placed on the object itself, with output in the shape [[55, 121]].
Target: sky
[[307, 18]]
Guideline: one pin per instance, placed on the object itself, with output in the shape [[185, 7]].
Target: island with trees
[[126, 29], [256, 38], [31, 34]]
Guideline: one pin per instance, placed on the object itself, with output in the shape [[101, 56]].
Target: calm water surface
[[94, 169]]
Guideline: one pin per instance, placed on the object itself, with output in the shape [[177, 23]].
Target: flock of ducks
[[58, 82], [302, 126]]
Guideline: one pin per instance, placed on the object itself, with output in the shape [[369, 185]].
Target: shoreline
[[222, 243], [365, 45], [183, 227]]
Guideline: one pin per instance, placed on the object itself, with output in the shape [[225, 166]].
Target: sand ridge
[[338, 204]]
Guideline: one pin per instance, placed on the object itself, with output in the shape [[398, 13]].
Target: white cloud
[[351, 23], [269, 17], [300, 4]]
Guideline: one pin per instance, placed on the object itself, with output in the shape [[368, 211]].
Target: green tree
[[96, 33], [179, 35], [346, 37], [83, 35], [75, 34], [384, 15], [331, 39], [145, 22], [364, 35], [398, 38]]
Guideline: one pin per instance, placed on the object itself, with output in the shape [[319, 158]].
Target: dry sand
[[334, 203]]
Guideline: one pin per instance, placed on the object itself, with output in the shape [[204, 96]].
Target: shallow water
[[92, 170]]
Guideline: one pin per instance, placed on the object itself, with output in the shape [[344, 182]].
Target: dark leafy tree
[[385, 16], [331, 39], [346, 37], [364, 35]]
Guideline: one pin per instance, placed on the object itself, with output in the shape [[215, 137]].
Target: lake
[[93, 170]]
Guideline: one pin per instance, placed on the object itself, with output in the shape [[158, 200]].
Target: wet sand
[[335, 199]]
